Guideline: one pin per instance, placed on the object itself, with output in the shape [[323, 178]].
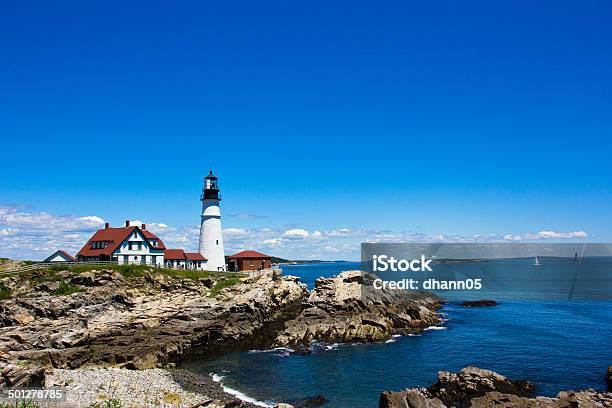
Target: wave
[[435, 328], [240, 395], [284, 349]]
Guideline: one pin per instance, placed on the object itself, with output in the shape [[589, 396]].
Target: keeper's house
[[126, 245]]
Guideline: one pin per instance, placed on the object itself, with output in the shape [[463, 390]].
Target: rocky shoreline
[[60, 321], [110, 335], [478, 388]]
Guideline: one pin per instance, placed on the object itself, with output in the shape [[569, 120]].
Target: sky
[[327, 123]]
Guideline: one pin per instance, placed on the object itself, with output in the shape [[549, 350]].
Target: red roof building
[[249, 261], [126, 245], [134, 244], [177, 258], [60, 256]]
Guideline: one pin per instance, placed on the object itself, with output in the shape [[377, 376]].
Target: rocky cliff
[[478, 388], [106, 318]]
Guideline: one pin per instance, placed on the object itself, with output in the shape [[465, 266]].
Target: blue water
[[557, 345]]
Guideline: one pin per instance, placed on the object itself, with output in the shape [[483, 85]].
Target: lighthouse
[[211, 239]]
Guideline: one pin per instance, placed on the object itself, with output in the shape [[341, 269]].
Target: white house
[[126, 245], [60, 256]]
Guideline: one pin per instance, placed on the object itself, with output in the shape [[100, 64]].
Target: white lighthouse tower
[[211, 239]]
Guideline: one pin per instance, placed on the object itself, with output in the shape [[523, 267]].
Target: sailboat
[[537, 262]]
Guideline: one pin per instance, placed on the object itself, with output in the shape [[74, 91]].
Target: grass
[[109, 403], [52, 274], [222, 285], [5, 292], [128, 271], [66, 288], [20, 404]]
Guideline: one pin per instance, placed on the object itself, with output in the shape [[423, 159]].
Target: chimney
[[144, 226], [106, 225], [127, 223]]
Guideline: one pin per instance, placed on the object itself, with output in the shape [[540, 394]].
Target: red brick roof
[[249, 254], [194, 256], [114, 237], [174, 254]]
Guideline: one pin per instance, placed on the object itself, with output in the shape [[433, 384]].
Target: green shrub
[[66, 288], [5, 291], [20, 404], [110, 403]]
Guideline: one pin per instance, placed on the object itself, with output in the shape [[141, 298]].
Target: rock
[[347, 308], [302, 349], [478, 303], [23, 318], [284, 405], [478, 388], [137, 324], [85, 279], [413, 398], [609, 378], [312, 402], [16, 376], [47, 287], [207, 282], [96, 278]]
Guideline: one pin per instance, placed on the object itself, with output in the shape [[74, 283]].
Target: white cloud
[[529, 236], [26, 234], [272, 242], [296, 233], [235, 232]]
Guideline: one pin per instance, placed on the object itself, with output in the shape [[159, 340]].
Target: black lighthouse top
[[211, 188]]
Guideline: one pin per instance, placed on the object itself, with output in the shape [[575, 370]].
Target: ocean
[[558, 345]]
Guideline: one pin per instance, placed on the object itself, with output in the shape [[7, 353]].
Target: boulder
[[479, 388], [47, 287]]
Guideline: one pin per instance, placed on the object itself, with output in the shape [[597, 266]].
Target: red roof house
[[129, 244], [249, 261]]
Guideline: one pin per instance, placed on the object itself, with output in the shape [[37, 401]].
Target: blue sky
[[356, 120]]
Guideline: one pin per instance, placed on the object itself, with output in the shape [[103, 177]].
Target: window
[[153, 242], [130, 245], [217, 242]]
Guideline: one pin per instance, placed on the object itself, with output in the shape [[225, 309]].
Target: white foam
[[435, 328], [241, 396], [288, 350], [397, 335], [391, 341]]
